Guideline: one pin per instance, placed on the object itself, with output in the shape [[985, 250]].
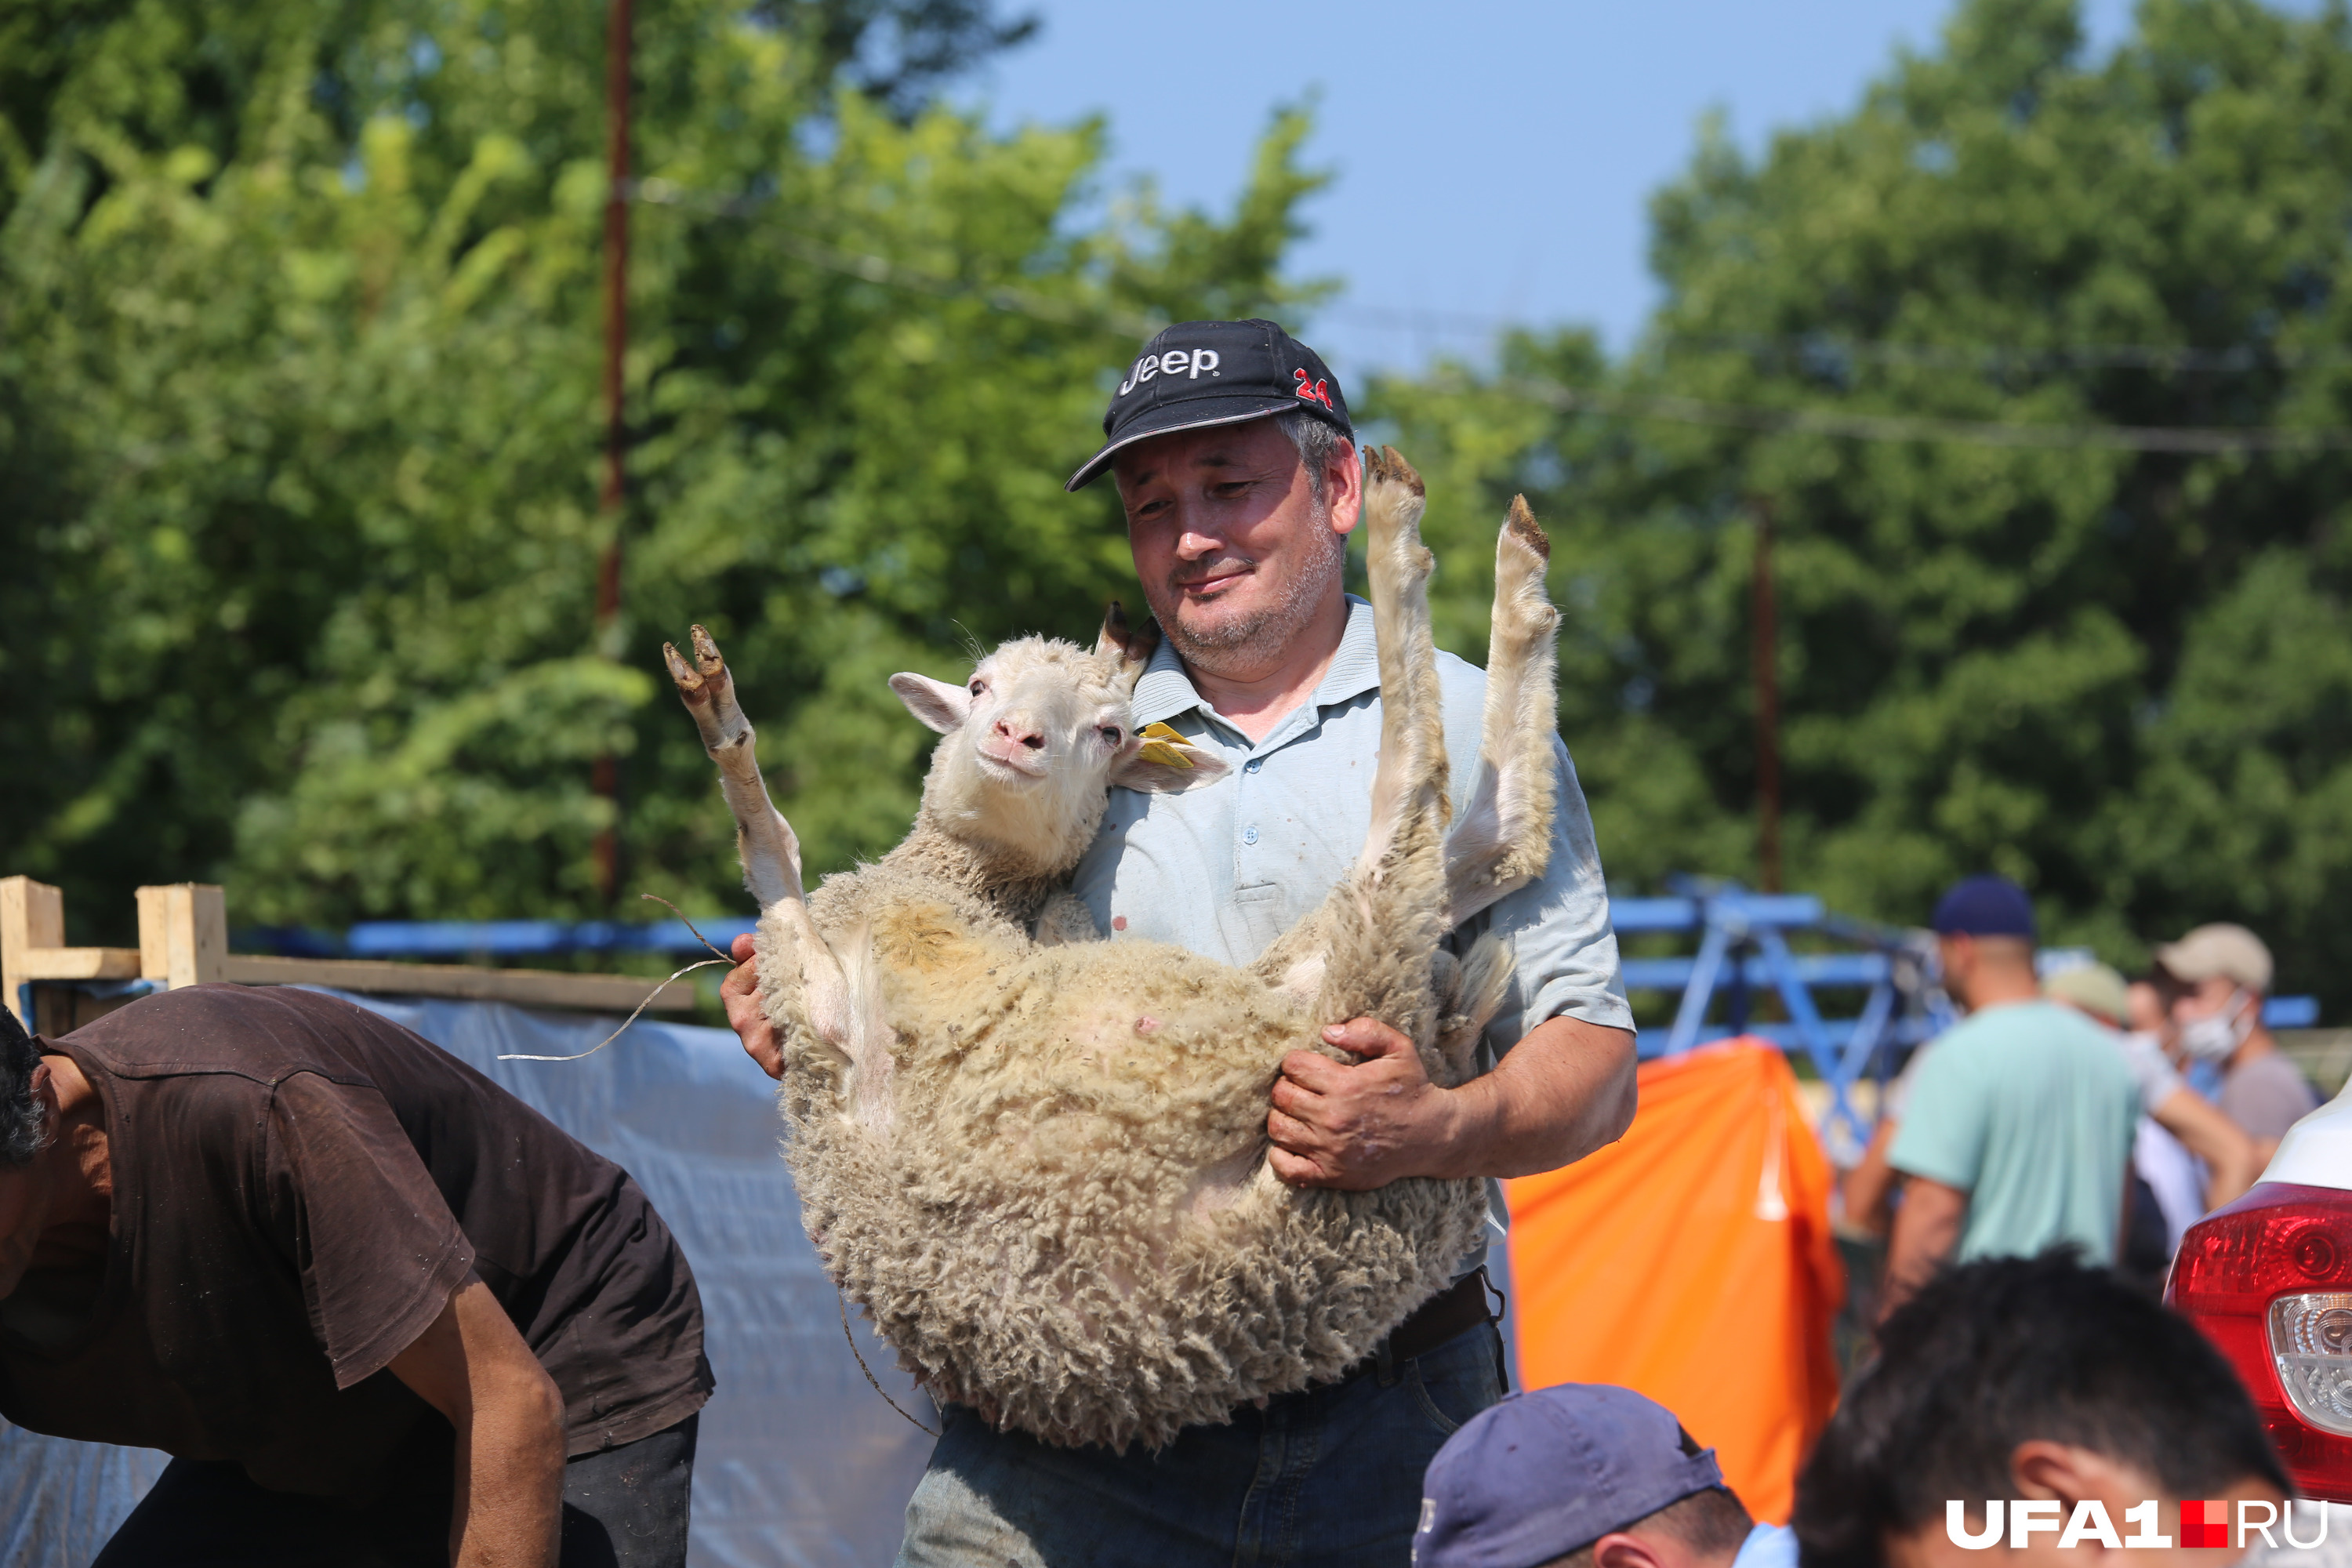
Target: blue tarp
[[802, 1465]]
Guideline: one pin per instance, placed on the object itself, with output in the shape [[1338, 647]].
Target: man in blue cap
[[2017, 1132], [1237, 474], [1585, 1476]]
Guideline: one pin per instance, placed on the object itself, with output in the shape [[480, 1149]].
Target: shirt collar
[[1165, 690]]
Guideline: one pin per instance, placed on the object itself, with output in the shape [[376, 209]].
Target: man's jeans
[[1330, 1475]]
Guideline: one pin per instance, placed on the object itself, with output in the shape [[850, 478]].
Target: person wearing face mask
[[2187, 1158], [2218, 974]]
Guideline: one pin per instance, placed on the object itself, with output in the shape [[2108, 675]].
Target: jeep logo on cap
[[1186, 362]]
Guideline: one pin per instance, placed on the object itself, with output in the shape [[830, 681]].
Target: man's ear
[[939, 706], [1624, 1549], [2042, 1467], [1158, 764], [1343, 487]]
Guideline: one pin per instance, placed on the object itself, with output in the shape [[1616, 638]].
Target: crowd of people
[[2033, 1170], [2074, 1108]]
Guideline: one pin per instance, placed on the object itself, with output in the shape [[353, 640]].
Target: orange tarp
[[1692, 1261]]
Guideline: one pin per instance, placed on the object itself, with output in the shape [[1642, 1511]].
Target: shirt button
[[1249, 834], [1250, 767]]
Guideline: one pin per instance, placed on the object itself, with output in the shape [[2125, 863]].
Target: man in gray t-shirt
[[2220, 975]]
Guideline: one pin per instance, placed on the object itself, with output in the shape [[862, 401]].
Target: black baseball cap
[[1197, 373]]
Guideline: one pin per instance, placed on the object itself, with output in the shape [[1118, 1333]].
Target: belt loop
[[1384, 1364]]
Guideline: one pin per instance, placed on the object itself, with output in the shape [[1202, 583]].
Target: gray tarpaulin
[[801, 1461]]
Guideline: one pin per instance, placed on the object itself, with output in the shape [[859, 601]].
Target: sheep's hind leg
[[1378, 932], [1502, 840], [771, 853]]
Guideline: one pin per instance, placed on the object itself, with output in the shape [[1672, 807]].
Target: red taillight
[[2278, 1242]]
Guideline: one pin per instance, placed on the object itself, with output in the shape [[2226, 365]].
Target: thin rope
[[842, 1303], [689, 925], [523, 1056]]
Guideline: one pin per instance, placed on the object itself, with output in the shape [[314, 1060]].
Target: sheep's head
[[1034, 739]]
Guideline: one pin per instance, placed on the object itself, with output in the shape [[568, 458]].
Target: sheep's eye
[[978, 687], [1111, 733]]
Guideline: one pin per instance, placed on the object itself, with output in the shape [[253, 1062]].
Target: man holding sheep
[[1237, 471]]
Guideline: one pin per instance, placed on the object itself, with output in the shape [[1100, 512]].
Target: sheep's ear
[[939, 706], [1164, 763], [1131, 645]]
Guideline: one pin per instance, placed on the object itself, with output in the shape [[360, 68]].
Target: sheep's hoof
[[705, 654], [1521, 524], [683, 676], [1386, 465], [704, 682]]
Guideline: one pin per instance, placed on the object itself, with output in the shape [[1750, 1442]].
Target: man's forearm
[[510, 1493], [1564, 1090], [1926, 1231], [1561, 1092], [470, 1364]]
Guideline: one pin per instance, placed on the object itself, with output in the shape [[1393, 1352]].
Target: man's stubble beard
[[1244, 646]]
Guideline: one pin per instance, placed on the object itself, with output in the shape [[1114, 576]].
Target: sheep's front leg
[[770, 851], [1502, 841]]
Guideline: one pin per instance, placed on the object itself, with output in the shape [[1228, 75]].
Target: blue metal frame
[[1743, 948]]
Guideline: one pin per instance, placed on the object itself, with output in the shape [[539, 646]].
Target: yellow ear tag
[[1157, 749]]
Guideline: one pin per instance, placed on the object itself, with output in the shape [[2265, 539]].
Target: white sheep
[[1037, 1159]]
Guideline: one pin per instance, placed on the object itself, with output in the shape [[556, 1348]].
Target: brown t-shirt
[[299, 1186]]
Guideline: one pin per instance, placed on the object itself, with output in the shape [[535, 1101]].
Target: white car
[[2269, 1281]]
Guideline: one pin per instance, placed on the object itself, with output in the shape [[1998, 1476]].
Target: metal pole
[[606, 779], [1767, 709]]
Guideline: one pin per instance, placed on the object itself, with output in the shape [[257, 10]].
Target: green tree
[[2120, 677], [301, 394]]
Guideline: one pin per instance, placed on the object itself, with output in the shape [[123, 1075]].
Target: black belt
[[1453, 1312]]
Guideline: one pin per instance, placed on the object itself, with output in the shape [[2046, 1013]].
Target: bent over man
[[379, 1311], [1238, 474]]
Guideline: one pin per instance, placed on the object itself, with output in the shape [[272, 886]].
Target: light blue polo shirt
[[1224, 868]]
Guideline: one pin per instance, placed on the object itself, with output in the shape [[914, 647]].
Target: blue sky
[[1495, 160]]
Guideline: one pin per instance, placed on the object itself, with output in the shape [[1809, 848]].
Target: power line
[[1666, 406], [2205, 439], [1824, 350]]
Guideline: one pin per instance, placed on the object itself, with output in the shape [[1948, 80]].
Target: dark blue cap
[[1544, 1473], [1985, 906]]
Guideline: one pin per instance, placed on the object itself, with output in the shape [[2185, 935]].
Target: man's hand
[[473, 1367], [1560, 1093], [1360, 1127], [741, 992]]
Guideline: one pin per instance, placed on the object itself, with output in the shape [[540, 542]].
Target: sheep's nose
[[1026, 736]]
